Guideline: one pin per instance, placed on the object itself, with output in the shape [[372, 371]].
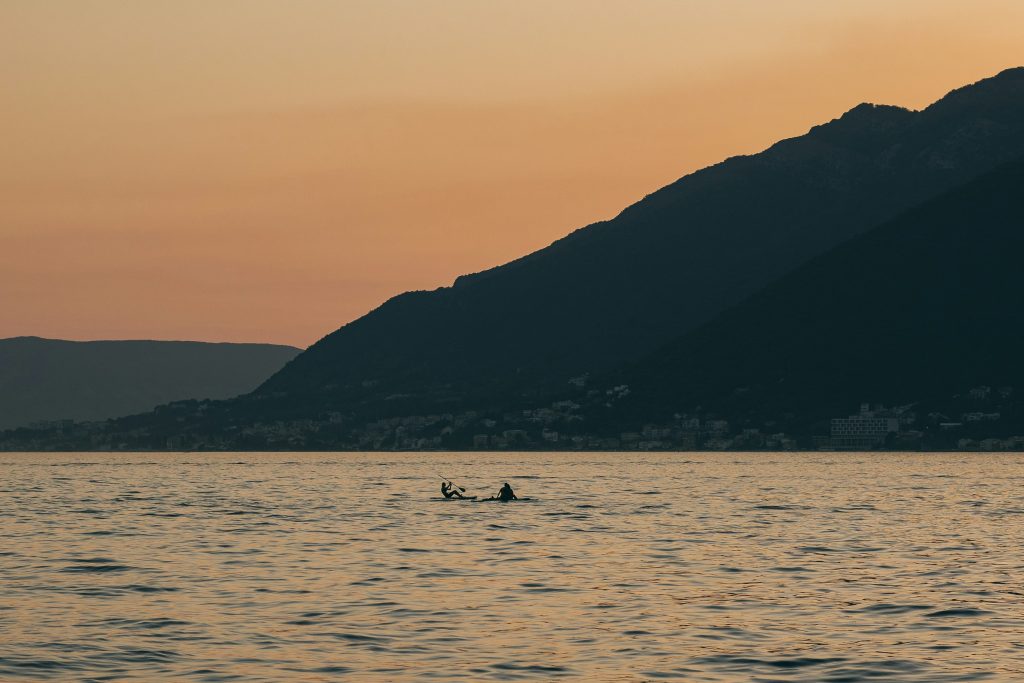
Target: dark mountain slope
[[613, 291], [50, 379], [925, 306]]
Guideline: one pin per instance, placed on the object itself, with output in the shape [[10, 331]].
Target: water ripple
[[622, 567]]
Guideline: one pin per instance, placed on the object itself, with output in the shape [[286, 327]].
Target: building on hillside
[[866, 430]]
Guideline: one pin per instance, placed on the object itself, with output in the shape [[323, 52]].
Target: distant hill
[[50, 379], [614, 291], [918, 309]]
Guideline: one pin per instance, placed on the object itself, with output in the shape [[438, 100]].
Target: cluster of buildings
[[559, 426], [972, 420], [876, 427]]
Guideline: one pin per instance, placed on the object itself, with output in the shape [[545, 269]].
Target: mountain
[[50, 379], [532, 354], [919, 309], [614, 291]]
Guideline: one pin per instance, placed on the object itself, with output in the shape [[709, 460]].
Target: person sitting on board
[[448, 490], [505, 494]]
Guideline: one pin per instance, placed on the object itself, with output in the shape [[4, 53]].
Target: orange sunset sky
[[256, 170]]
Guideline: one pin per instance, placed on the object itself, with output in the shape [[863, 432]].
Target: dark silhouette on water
[[505, 494], [451, 490], [448, 490]]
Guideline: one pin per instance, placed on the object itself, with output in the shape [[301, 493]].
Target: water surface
[[621, 567]]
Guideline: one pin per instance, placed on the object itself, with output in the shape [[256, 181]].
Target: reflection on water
[[622, 567]]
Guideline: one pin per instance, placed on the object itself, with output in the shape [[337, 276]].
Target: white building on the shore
[[866, 430]]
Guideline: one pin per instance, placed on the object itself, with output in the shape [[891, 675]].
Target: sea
[[612, 567]]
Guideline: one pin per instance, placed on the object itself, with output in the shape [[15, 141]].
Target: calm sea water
[[621, 567]]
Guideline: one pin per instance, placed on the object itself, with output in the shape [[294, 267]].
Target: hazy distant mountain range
[[51, 379], [872, 259]]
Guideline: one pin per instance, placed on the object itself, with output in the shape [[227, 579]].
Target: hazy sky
[[257, 170]]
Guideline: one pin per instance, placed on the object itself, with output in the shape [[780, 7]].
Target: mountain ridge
[[606, 293]]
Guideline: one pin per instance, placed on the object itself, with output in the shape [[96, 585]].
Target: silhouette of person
[[448, 490], [505, 494]]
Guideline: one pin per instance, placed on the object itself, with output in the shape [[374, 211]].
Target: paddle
[[461, 490]]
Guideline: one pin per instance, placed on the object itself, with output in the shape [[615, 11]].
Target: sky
[[268, 170]]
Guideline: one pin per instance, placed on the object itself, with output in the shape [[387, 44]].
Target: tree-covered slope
[[922, 307]]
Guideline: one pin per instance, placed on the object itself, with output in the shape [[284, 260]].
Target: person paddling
[[505, 494], [448, 490]]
